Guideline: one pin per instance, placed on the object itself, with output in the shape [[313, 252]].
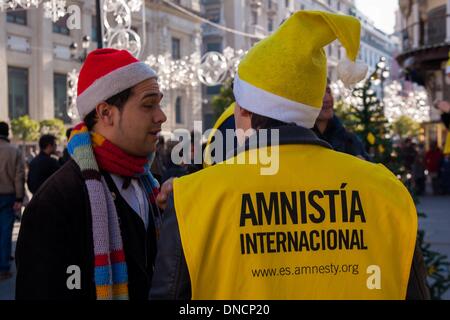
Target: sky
[[381, 12]]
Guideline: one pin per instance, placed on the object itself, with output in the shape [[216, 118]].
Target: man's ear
[[105, 113]]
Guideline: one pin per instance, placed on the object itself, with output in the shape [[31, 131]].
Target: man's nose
[[160, 117]]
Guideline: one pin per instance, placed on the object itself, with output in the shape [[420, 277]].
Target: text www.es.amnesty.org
[[329, 269]]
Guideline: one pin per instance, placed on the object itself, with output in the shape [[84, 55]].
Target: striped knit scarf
[[92, 152]]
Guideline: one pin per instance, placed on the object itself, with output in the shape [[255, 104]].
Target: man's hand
[[17, 206], [166, 189], [444, 106]]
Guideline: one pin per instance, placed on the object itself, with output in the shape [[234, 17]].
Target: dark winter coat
[[56, 232], [342, 140], [41, 168]]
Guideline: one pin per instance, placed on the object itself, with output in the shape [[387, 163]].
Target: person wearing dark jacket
[[43, 166], [445, 117], [444, 107], [65, 156], [90, 231], [328, 127]]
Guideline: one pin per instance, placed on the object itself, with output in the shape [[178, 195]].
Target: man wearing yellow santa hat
[[324, 225]]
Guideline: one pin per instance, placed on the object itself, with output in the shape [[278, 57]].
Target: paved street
[[436, 226]]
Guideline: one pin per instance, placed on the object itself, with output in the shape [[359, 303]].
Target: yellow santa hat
[[284, 76]]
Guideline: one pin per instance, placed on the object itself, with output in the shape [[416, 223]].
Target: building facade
[[172, 31], [35, 54], [35, 58], [375, 44], [424, 30]]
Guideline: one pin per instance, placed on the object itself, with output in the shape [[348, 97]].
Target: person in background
[[408, 154], [158, 166], [328, 127], [444, 107], [44, 165], [65, 156], [445, 174], [433, 159], [418, 171], [173, 170], [12, 191]]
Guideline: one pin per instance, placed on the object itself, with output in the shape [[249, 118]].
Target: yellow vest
[[326, 226], [229, 112], [447, 143]]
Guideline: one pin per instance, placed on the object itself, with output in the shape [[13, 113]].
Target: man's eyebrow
[[153, 95]]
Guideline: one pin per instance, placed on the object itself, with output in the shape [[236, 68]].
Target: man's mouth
[[155, 132]]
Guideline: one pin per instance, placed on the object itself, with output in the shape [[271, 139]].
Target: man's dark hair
[[117, 100], [263, 122], [46, 140], [4, 129], [68, 132]]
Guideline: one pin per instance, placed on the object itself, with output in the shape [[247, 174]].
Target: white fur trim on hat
[[270, 105], [112, 84], [350, 73]]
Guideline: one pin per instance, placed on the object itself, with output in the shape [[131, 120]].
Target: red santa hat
[[105, 73]]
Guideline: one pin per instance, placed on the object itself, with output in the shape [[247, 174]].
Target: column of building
[[448, 21], [3, 70], [41, 72]]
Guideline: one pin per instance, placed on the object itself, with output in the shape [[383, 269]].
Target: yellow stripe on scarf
[[104, 292], [97, 139], [120, 289]]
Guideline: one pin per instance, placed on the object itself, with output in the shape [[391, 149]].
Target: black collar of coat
[[288, 135], [4, 138], [334, 126], [44, 154]]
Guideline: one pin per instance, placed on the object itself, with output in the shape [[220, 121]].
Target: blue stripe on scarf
[[102, 276], [78, 140], [119, 271]]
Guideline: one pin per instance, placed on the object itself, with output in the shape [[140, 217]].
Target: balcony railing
[[425, 33]]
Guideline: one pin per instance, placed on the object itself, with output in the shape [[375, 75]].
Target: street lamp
[[72, 76], [381, 73], [99, 25], [382, 63], [85, 43]]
